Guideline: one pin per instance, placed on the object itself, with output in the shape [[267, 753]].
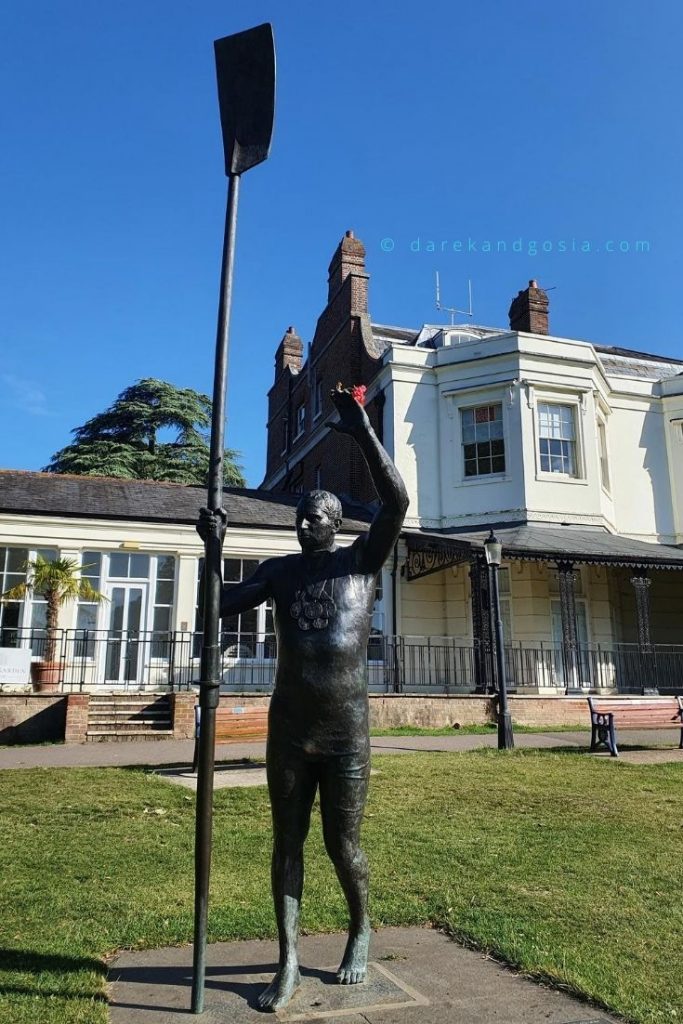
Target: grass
[[488, 729], [565, 866]]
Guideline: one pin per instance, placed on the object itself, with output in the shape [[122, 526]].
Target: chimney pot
[[348, 260], [529, 310], [289, 353]]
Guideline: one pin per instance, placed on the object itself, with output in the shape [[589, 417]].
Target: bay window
[[557, 438], [483, 446]]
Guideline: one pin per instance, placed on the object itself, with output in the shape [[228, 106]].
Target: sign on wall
[[15, 665]]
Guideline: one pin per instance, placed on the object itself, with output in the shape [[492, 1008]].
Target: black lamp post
[[506, 740]]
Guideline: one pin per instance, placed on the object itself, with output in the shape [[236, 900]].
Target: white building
[[571, 451], [139, 547]]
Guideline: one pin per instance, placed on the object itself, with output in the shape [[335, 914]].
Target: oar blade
[[245, 68]]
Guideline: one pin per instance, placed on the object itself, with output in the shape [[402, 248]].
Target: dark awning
[[429, 552]]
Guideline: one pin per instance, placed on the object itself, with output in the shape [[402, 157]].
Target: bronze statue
[[318, 733]]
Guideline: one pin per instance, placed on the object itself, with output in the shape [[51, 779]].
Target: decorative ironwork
[[615, 561], [566, 578], [426, 556], [481, 623], [641, 586]]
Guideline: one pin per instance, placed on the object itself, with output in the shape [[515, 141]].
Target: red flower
[[358, 392]]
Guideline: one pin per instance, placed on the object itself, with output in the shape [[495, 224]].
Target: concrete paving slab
[[416, 976], [659, 756], [226, 776], [178, 753]]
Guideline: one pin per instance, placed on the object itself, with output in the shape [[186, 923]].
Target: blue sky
[[437, 122]]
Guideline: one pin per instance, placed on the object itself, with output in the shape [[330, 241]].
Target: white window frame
[[24, 626], [574, 402], [603, 455], [261, 612], [378, 616], [150, 582], [505, 596], [474, 398], [471, 407]]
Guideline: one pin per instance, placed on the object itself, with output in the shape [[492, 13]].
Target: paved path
[[179, 752], [416, 976]]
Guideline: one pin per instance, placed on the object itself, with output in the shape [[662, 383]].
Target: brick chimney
[[349, 258], [289, 353], [529, 311]]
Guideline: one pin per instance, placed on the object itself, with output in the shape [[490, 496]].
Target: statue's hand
[[352, 416], [212, 524]]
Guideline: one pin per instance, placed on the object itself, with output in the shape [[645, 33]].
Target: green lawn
[[567, 866], [473, 730]]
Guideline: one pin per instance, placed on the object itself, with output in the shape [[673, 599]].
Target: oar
[[245, 66]]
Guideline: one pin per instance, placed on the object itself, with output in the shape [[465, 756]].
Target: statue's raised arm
[[376, 546]]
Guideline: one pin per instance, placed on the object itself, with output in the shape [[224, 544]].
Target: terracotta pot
[[46, 676]]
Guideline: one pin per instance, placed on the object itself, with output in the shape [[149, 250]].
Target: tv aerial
[[451, 309]]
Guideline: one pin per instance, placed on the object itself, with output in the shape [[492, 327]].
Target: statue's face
[[315, 528]]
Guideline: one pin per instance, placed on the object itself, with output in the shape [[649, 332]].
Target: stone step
[[128, 724], [101, 702], [110, 727], [124, 737], [120, 714], [120, 723]]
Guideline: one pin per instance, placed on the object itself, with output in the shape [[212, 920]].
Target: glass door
[[123, 659]]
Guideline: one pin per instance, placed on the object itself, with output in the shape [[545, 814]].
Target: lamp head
[[493, 549]]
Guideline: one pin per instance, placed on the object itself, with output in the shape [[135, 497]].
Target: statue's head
[[318, 518]]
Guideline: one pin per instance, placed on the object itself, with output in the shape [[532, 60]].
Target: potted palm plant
[[59, 582]]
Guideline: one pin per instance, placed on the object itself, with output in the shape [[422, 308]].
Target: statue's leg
[[292, 785], [343, 791]]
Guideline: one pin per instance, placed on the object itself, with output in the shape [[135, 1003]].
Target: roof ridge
[[96, 477]]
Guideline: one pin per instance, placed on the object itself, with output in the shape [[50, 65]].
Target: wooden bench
[[632, 713], [238, 723]]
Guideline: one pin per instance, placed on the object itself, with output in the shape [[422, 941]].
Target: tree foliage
[[153, 431]]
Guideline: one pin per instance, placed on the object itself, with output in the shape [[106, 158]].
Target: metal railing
[[622, 667], [147, 660]]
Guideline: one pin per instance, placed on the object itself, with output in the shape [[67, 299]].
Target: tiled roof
[[96, 497]]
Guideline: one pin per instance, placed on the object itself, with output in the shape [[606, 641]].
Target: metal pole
[[506, 739], [210, 662]]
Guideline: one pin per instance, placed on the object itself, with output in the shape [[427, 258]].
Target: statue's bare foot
[[354, 966], [281, 989]]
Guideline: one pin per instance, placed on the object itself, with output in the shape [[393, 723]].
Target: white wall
[[71, 536], [429, 388], [672, 402]]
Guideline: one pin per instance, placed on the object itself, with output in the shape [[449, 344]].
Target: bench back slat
[[237, 722], [665, 711]]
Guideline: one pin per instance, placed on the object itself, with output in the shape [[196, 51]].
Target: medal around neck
[[313, 605]]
